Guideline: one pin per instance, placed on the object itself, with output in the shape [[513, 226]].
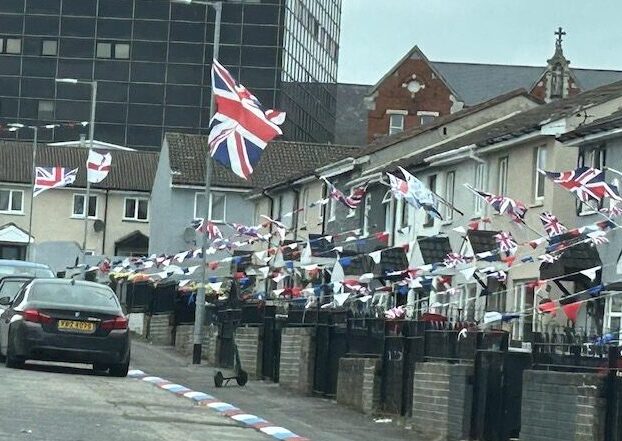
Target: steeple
[[558, 72]]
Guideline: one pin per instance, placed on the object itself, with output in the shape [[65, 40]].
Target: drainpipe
[[105, 223], [265, 193], [296, 207]]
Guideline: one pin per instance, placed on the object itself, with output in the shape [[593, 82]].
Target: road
[[62, 403]]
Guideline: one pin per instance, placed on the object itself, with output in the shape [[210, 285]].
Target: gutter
[[593, 137]]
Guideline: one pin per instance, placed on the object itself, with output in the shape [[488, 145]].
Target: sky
[[375, 34]]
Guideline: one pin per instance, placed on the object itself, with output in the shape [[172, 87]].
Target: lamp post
[[93, 85], [199, 318]]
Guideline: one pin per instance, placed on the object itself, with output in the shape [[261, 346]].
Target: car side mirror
[[5, 301]]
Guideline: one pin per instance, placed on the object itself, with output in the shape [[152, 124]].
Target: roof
[[387, 141], [131, 171], [522, 123], [613, 121], [480, 82], [281, 162], [22, 264]]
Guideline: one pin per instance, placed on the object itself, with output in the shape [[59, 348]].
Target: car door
[[10, 287], [5, 319]]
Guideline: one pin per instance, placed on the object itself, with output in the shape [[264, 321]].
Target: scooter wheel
[[218, 379], [242, 378]]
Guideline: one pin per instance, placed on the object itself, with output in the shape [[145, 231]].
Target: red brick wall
[[391, 95], [539, 90]]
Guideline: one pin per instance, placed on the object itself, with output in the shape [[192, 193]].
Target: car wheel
[[119, 370], [11, 360]]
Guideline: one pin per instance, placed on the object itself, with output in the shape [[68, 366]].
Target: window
[[524, 304], [46, 110], [49, 47], [11, 201], [78, 206], [595, 159], [332, 209], [11, 45], [429, 220], [539, 177], [426, 117], [450, 188], [396, 123], [405, 212], [366, 211], [136, 209], [120, 51], [217, 209], [480, 184], [502, 187], [304, 205]]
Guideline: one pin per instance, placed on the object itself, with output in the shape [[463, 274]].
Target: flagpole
[[32, 194], [88, 182], [199, 316]]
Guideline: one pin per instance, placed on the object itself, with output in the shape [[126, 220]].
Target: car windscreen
[[68, 296], [16, 270], [10, 288]]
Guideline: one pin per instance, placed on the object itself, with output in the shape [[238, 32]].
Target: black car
[[65, 320]]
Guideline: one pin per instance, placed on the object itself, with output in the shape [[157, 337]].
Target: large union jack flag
[[506, 242], [357, 194], [53, 177], [552, 225], [241, 127], [586, 182]]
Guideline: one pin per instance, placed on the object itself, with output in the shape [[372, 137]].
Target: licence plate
[[72, 325]]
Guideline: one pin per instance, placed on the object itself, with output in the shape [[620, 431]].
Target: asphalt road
[[56, 402], [315, 418]]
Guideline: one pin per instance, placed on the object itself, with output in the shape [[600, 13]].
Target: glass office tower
[[152, 61]]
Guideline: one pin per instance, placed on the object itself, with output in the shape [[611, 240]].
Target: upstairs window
[[217, 208], [120, 51], [396, 122], [11, 201], [450, 188], [49, 48], [136, 209], [11, 45], [540, 177], [78, 206], [502, 187]]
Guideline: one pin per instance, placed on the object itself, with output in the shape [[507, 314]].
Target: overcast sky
[[375, 34]]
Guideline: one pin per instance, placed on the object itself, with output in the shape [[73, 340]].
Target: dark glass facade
[[152, 61]]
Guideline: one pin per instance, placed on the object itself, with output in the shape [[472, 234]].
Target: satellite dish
[[190, 235], [99, 226]]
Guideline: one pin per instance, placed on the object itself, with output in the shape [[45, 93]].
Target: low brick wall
[[210, 345], [297, 359], [183, 339], [442, 401], [249, 343], [359, 382], [564, 406], [159, 329]]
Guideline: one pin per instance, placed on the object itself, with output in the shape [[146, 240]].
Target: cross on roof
[[560, 34]]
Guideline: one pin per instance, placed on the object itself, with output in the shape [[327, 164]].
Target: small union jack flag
[[208, 227], [53, 177], [513, 208], [506, 242], [454, 259], [552, 225], [548, 258], [357, 194], [614, 211], [586, 183]]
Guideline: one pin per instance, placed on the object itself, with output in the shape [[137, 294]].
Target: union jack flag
[[586, 182], [614, 211], [454, 259], [53, 177], [208, 227], [506, 242], [357, 194], [241, 127], [552, 225], [548, 258], [513, 208]]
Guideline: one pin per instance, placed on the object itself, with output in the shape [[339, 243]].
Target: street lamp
[[199, 319], [93, 85]]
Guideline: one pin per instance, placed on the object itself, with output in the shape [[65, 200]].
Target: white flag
[[98, 165]]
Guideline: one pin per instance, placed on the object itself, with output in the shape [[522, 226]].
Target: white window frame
[[396, 128], [520, 295], [304, 205], [450, 194], [366, 211], [539, 178], [332, 209], [81, 216], [502, 181], [136, 201], [611, 313], [596, 160], [12, 192], [480, 184], [422, 113], [211, 199]]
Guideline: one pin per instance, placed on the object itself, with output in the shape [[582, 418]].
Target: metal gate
[[271, 354], [497, 394], [331, 345]]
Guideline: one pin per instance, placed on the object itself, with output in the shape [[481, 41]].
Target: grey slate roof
[[522, 123], [130, 171], [281, 162], [480, 82]]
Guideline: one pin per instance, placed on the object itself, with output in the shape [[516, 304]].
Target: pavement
[[55, 402], [309, 417]]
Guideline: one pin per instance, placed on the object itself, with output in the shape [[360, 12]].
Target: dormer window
[[396, 120]]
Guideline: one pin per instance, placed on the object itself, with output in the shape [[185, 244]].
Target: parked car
[[21, 267], [65, 320]]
